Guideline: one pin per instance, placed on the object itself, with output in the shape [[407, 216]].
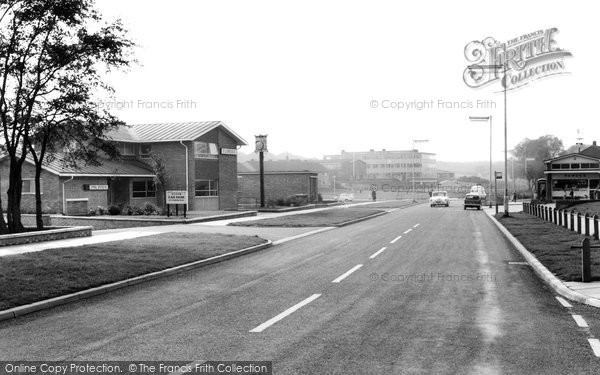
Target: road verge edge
[[543, 273]]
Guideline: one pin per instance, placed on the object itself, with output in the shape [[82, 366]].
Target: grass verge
[[31, 277], [389, 204], [551, 245], [325, 218]]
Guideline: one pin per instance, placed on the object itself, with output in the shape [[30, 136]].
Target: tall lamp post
[[486, 118], [504, 67], [413, 165]]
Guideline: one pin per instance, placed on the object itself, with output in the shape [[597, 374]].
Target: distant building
[[444, 175], [399, 165], [344, 170], [577, 172]]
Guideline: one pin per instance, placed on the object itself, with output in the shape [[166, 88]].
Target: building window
[[127, 148], [145, 150], [207, 188], [205, 150], [28, 186], [143, 189]]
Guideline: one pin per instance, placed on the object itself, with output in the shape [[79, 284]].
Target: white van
[[480, 190]]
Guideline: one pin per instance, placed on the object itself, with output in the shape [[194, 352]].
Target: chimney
[[594, 143]]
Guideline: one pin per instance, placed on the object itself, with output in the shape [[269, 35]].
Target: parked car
[[473, 200], [439, 198], [345, 197]]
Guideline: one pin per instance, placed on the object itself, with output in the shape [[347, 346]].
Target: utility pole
[[413, 165], [486, 118]]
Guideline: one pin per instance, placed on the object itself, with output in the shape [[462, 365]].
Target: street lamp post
[[413, 165], [486, 118]]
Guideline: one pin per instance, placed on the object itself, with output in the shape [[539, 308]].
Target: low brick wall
[[44, 235]]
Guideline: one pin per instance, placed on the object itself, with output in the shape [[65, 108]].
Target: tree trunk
[[13, 211], [38, 198], [3, 226]]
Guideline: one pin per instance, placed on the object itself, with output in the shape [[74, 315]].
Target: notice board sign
[[177, 197]]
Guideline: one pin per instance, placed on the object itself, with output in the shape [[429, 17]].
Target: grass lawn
[[551, 245], [592, 208], [325, 218], [389, 204], [36, 276]]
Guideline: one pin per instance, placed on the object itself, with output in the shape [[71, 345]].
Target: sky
[[319, 77]]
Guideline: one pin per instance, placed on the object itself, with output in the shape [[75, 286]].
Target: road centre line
[[377, 253], [396, 239], [564, 302], [416, 225], [580, 321], [407, 231], [287, 312], [595, 344], [348, 273]]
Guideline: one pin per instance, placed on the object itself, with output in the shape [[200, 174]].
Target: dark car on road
[[473, 200]]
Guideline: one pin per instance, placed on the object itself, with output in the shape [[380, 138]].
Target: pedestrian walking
[[373, 195]]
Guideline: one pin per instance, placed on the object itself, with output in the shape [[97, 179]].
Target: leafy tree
[[161, 178], [540, 149], [50, 56]]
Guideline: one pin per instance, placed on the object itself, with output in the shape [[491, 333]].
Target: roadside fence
[[570, 219]]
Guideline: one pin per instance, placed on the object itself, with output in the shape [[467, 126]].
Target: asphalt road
[[443, 298]]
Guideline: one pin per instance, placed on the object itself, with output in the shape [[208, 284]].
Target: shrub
[[92, 211], [150, 209], [114, 210], [134, 210], [101, 210], [281, 202], [319, 198]]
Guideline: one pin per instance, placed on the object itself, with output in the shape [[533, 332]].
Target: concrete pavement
[[438, 290]]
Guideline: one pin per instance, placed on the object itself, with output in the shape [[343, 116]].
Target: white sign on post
[[177, 197]]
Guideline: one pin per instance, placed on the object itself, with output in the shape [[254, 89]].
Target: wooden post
[[596, 234], [579, 223], [559, 217], [572, 214], [554, 215], [586, 224], [565, 219], [586, 267]]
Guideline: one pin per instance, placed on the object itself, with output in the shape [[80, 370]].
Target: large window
[[127, 148], [143, 189], [28, 186], [205, 150], [207, 188], [145, 150]]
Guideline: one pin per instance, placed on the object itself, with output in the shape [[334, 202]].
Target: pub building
[[573, 176]]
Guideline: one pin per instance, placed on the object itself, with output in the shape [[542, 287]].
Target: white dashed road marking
[[377, 253], [287, 312], [396, 239], [564, 302], [580, 321], [407, 231], [595, 344], [348, 273], [416, 225]]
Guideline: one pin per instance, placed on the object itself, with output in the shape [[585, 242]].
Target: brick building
[[201, 157], [283, 178]]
